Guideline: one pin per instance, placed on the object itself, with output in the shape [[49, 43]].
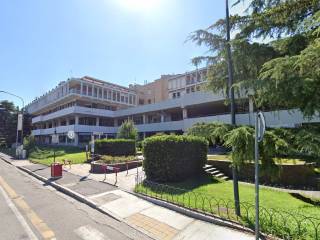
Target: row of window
[[188, 90], [107, 94], [186, 80]]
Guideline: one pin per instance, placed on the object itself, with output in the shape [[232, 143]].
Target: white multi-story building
[[90, 106]]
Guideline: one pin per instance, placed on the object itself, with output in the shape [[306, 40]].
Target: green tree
[[283, 72], [127, 130], [8, 123]]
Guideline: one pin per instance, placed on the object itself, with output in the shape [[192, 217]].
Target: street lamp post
[[22, 109], [232, 109]]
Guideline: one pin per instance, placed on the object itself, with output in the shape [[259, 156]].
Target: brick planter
[[97, 166]]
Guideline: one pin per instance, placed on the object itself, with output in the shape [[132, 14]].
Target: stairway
[[215, 172]]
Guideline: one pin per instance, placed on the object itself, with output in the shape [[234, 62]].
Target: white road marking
[[18, 215], [89, 233]]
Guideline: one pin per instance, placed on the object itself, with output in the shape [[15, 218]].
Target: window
[[114, 96], [174, 95], [192, 89], [130, 99], [118, 96], [149, 101], [141, 101], [122, 98], [72, 121], [188, 90], [178, 94]]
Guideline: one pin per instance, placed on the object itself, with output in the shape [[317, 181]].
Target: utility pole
[[232, 109]]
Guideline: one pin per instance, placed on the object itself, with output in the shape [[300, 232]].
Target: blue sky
[[44, 42]]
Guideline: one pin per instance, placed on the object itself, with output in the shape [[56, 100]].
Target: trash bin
[[56, 170]]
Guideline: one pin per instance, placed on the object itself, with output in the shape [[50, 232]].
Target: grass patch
[[215, 197], [44, 155], [279, 161]]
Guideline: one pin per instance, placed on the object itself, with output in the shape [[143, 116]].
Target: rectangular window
[[118, 96]]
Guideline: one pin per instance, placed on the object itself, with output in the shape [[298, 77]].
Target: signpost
[[260, 128], [92, 147]]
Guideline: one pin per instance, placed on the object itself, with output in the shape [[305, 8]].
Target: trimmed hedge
[[115, 147], [174, 158]]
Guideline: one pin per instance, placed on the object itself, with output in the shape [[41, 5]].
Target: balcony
[[73, 110]]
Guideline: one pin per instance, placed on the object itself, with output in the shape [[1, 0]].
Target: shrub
[[116, 147], [29, 143], [127, 130], [241, 140], [174, 158], [213, 132]]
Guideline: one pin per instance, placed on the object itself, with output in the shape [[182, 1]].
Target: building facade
[[88, 106]]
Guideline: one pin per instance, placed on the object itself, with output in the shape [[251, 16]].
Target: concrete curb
[[69, 192], [194, 214]]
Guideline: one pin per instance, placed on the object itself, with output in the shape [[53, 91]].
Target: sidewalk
[[153, 220]]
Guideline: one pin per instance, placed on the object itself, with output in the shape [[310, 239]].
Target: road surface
[[31, 210]]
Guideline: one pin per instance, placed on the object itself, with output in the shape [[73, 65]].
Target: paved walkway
[[125, 180], [153, 220]]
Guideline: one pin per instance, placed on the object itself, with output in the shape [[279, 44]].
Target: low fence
[[286, 225]]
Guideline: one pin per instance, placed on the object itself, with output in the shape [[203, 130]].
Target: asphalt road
[[31, 210]]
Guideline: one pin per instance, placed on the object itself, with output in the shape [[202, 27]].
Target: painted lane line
[[19, 216], [89, 233], [36, 221]]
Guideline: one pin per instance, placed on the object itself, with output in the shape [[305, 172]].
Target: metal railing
[[273, 222]]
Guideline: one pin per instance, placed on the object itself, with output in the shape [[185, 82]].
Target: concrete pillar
[[81, 88], [102, 94], [115, 122], [76, 139], [67, 121], [251, 109], [76, 120], [162, 117], [144, 135], [67, 88], [92, 88], [87, 90], [97, 121], [144, 119], [184, 113]]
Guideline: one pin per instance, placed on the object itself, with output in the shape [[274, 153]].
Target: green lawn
[[44, 155], [282, 161], [209, 195]]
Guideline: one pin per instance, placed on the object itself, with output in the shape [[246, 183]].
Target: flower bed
[[122, 163]]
